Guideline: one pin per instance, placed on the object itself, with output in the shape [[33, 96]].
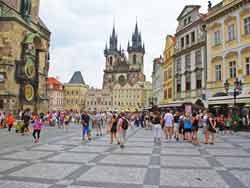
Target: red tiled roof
[[56, 84]]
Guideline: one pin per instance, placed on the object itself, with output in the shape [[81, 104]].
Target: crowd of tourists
[[166, 124]]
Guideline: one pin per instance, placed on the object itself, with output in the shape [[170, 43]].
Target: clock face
[[28, 92], [29, 69]]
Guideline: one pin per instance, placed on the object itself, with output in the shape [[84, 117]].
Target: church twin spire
[[136, 42]]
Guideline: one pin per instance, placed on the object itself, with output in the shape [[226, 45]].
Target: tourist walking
[[10, 121], [123, 125], [176, 125], [85, 118], [26, 117], [211, 128], [156, 123], [205, 126], [98, 124], [188, 127], [38, 124], [168, 125], [113, 129], [195, 128], [228, 125]]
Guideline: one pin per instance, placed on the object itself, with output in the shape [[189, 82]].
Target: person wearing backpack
[[123, 125]]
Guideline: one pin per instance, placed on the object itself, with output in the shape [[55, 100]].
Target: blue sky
[[81, 29]]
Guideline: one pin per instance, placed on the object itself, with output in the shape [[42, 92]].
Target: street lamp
[[237, 89]]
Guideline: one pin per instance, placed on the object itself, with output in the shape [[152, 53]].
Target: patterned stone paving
[[69, 162]]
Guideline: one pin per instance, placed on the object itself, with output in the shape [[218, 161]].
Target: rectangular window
[[187, 40], [198, 58], [188, 62], [247, 25], [231, 33], [178, 89], [169, 93], [165, 75], [178, 65], [199, 80], [193, 37], [217, 38], [169, 73], [182, 42], [165, 94], [188, 85], [232, 69], [188, 82], [218, 72], [248, 66]]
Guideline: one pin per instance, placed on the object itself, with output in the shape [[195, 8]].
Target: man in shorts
[[168, 125]]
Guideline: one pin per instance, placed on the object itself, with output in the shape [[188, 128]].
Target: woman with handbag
[[211, 128]]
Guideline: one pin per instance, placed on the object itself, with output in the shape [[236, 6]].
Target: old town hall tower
[[120, 69]]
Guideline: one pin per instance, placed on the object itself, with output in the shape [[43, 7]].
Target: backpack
[[124, 124]]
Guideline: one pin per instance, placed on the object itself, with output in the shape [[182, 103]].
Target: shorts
[[85, 130], [176, 127], [188, 130]]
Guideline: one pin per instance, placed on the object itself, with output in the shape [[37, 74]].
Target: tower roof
[[136, 41], [77, 78]]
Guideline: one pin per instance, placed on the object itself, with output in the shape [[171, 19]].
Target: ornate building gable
[[189, 14]]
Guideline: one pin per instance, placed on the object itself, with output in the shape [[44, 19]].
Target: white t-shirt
[[168, 118]]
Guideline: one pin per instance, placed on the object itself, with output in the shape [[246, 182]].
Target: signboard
[[188, 108]]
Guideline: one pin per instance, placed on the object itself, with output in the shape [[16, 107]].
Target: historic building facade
[[131, 98], [157, 81], [24, 56], [228, 36], [75, 93], [55, 94], [122, 70], [99, 100], [168, 70], [190, 57]]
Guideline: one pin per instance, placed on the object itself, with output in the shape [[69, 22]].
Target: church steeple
[[136, 41], [113, 41]]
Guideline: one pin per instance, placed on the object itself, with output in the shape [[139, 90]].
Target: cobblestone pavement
[[68, 162]]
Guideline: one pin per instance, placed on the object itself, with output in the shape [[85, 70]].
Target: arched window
[[111, 61], [134, 59]]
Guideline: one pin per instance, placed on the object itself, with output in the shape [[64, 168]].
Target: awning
[[172, 105], [242, 98]]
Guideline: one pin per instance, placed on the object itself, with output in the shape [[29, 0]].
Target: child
[[37, 128], [10, 121]]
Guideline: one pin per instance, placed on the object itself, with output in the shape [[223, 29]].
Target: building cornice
[[192, 48], [225, 10]]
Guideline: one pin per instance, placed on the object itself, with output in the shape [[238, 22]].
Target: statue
[[26, 8], [209, 4]]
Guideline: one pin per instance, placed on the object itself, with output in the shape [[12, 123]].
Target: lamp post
[[237, 89]]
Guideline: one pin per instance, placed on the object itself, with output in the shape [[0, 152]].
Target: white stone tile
[[49, 147], [15, 184], [184, 161], [47, 170], [73, 157], [109, 174], [134, 150], [234, 162], [228, 152], [243, 176], [28, 155], [126, 160], [191, 178], [87, 148], [179, 151], [6, 164], [76, 186]]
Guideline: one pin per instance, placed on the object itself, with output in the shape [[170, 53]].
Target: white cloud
[[81, 29]]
